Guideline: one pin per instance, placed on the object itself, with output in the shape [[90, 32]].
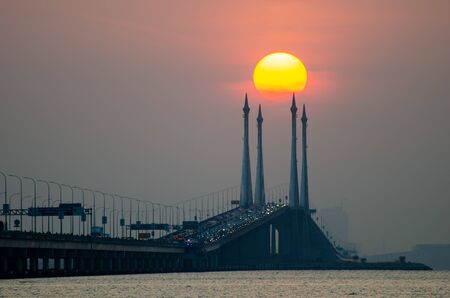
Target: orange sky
[[226, 40], [135, 98]]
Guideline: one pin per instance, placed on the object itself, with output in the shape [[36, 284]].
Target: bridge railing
[[209, 205], [345, 248], [113, 215]]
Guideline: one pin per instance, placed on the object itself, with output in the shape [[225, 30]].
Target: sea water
[[239, 284]]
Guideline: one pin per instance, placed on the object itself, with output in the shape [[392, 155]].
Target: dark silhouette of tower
[[246, 198], [293, 184], [260, 195], [304, 197]]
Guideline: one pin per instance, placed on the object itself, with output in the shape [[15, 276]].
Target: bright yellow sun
[[278, 74]]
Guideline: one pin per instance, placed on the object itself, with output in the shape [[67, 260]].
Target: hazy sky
[[145, 99]]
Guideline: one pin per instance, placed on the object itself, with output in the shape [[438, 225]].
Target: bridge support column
[[109, 264], [144, 261], [113, 263], [60, 262], [100, 264], [34, 265], [119, 264], [91, 265], [20, 268], [45, 264], [81, 264], [57, 264], [164, 263], [3, 263], [126, 263], [135, 263], [68, 266]]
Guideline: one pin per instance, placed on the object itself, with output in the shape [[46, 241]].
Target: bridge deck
[[57, 241], [216, 229]]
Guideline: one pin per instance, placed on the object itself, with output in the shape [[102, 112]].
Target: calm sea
[[239, 284]]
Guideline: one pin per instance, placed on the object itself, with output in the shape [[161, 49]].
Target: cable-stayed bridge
[[54, 229]]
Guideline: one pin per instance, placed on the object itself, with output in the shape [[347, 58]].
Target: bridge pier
[[119, 262], [3, 263], [99, 264], [125, 263], [80, 264], [34, 265], [114, 262], [91, 264], [45, 265]]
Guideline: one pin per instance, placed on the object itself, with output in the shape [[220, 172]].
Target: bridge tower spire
[[293, 184], [304, 197], [260, 194], [246, 198]]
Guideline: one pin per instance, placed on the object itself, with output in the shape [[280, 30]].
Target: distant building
[[437, 256]]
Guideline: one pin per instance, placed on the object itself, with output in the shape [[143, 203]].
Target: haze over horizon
[[146, 100]]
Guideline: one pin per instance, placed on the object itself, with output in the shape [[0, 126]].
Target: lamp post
[[104, 216], [138, 220], [137, 214], [93, 222], [161, 220], [113, 219], [94, 193], [52, 202], [48, 201], [10, 203], [6, 198], [177, 214], [71, 200], [153, 217], [195, 206], [83, 205], [21, 197], [131, 213], [60, 216], [112, 214], [122, 219], [34, 201]]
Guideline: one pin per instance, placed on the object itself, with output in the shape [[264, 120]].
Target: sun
[[279, 74]]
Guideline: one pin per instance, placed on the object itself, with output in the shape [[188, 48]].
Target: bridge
[[251, 238], [71, 230]]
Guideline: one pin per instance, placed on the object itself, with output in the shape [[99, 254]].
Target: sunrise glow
[[278, 74]]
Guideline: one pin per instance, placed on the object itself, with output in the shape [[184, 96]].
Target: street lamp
[[131, 216], [52, 202], [122, 219], [10, 204], [48, 202], [5, 206], [84, 215], [153, 217], [104, 219], [131, 213], [94, 197], [93, 222], [71, 218], [112, 214], [34, 200], [21, 197], [60, 216], [113, 219]]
